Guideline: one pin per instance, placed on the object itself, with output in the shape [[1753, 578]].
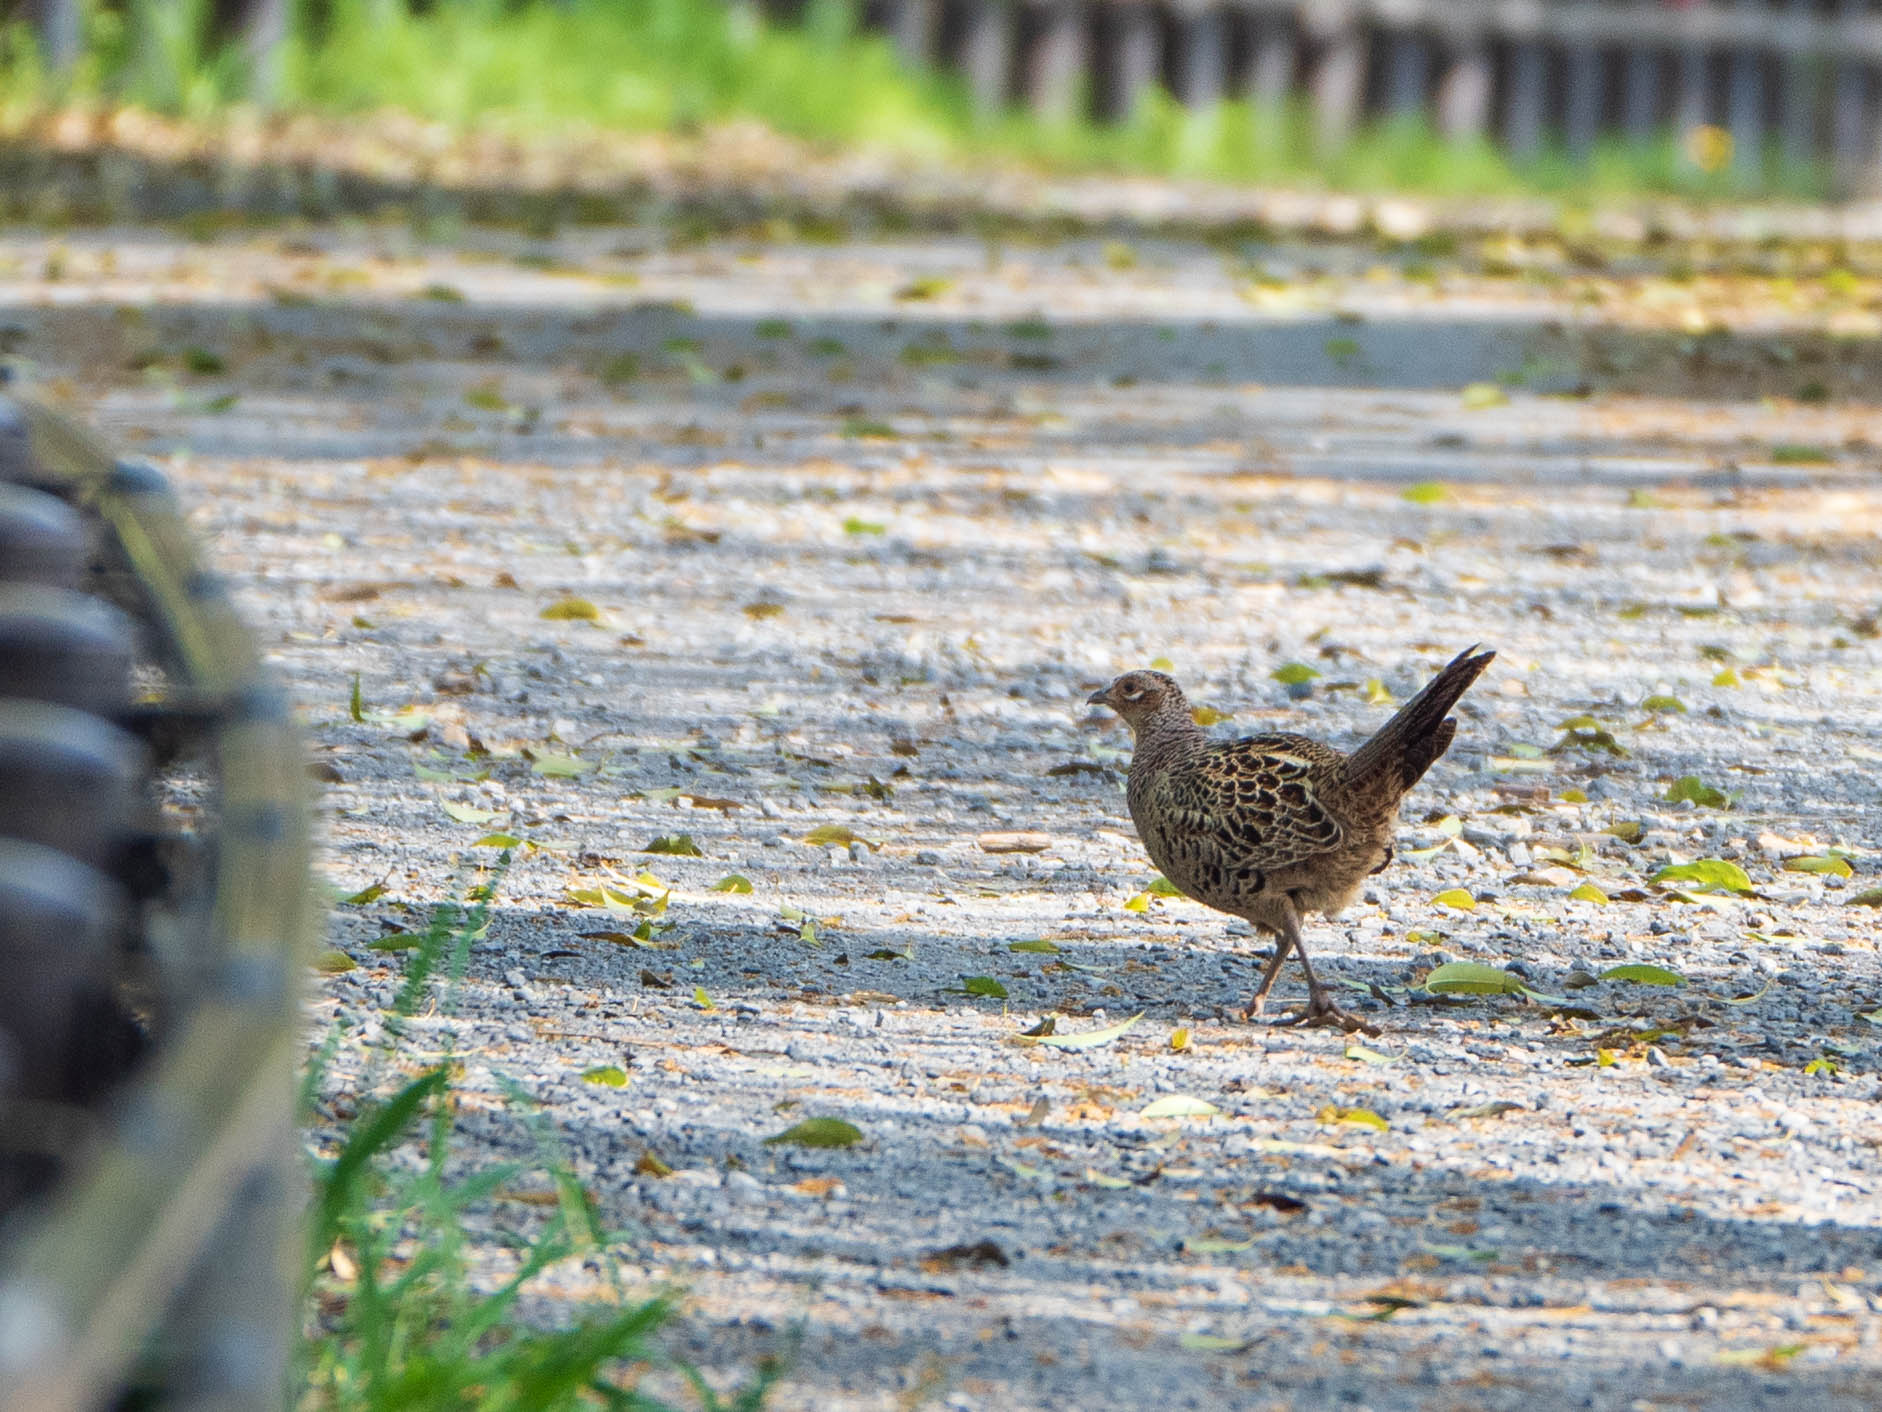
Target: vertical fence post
[[1464, 88], [1799, 95], [60, 25], [1522, 120], [989, 54], [1640, 95], [1689, 92], [1055, 79], [1581, 117], [1339, 75], [1139, 58], [1745, 105], [1205, 69], [1270, 81], [264, 30], [1849, 100], [913, 24], [1407, 77]]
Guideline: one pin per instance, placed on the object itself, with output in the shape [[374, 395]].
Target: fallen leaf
[[1179, 1105], [679, 845], [609, 1075], [1015, 842], [1039, 945], [1706, 875], [334, 962], [983, 985], [1456, 897], [469, 813], [1643, 974], [1360, 1117], [733, 882], [1470, 978], [1828, 864], [572, 610], [818, 1132], [836, 835], [1087, 1039]]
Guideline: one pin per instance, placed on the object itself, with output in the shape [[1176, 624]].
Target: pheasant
[[1273, 827]]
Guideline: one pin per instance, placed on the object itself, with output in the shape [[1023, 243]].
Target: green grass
[[396, 1319], [535, 66]]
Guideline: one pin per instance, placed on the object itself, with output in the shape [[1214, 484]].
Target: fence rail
[[1796, 83]]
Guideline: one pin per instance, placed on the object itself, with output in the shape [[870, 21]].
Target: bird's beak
[[1099, 698]]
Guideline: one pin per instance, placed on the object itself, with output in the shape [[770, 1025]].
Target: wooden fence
[[1761, 82]]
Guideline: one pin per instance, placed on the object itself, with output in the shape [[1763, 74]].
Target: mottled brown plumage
[[1273, 827]]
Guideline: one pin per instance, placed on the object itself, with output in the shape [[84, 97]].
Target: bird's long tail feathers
[[1404, 747]]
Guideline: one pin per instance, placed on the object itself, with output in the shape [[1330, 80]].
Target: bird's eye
[[1137, 695]]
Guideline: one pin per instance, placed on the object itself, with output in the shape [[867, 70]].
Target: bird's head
[[1142, 696]]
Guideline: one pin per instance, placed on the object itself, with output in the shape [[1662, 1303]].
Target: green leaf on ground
[[1471, 978], [1870, 897], [562, 767], [469, 813], [1038, 944], [1588, 892], [1369, 1056], [1088, 1039], [1179, 1105], [1691, 787], [1671, 704], [1480, 395], [1831, 864], [497, 840], [679, 845], [733, 882], [355, 702], [818, 1132], [983, 985], [609, 1075], [1430, 492], [836, 835], [571, 610], [1161, 886], [1359, 1117], [853, 525], [1706, 875], [334, 962], [1643, 974], [1455, 897], [364, 895], [1294, 673], [1208, 715]]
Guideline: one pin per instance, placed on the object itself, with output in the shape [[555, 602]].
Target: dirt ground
[[848, 532]]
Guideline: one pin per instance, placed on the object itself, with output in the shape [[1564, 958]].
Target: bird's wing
[[1253, 802]]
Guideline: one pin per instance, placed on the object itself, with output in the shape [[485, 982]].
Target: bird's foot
[[1322, 1013]]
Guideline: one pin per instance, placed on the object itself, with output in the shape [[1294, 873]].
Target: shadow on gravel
[[965, 1199], [633, 348]]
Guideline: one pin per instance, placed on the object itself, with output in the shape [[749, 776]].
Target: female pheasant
[[1273, 827]]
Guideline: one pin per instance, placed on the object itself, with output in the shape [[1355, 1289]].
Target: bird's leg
[[1281, 947], [1320, 1007]]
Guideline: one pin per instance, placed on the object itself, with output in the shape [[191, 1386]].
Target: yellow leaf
[[1179, 1040], [1207, 715], [1588, 892], [1456, 897], [1360, 1117], [572, 610], [1139, 903]]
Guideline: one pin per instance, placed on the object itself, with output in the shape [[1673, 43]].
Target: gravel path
[[863, 525]]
